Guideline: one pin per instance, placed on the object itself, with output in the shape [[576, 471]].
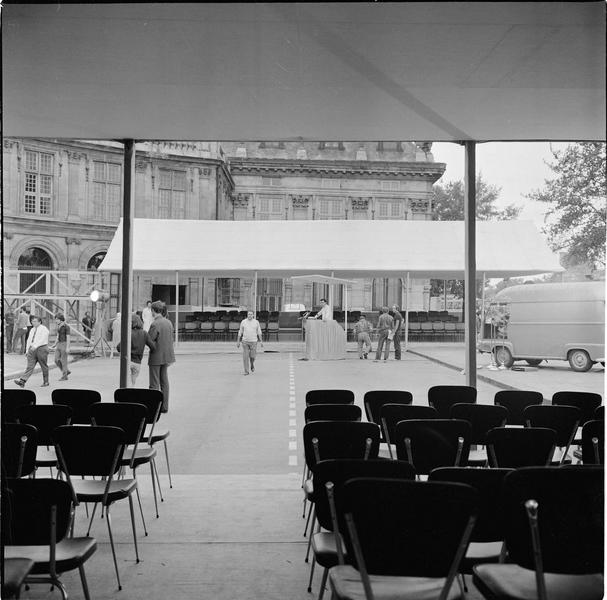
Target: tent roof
[[352, 249], [326, 279], [438, 71]]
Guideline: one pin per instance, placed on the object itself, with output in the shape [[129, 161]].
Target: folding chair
[[406, 539], [516, 401], [78, 400], [553, 521], [431, 443], [375, 399], [391, 414], [37, 515], [443, 397], [332, 412], [104, 450], [512, 448], [330, 477], [587, 402], [329, 397], [593, 443], [12, 400], [19, 445]]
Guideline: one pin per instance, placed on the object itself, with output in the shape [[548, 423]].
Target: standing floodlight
[[100, 298]]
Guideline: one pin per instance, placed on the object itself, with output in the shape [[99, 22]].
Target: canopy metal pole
[[470, 258], [483, 307], [406, 309], [126, 301], [346, 312], [176, 307], [255, 295]]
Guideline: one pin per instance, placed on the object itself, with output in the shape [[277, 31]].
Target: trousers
[[159, 380], [383, 338], [249, 352], [396, 342], [37, 356], [61, 356], [364, 344], [20, 335]]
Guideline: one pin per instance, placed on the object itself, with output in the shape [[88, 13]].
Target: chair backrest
[[408, 528], [375, 399], [482, 418], [593, 443], [341, 470], [599, 413], [151, 399], [329, 397], [391, 414], [443, 397], [340, 439], [26, 511], [587, 402], [511, 448], [89, 451], [432, 443], [332, 412], [563, 419], [19, 446], [12, 400], [570, 518], [79, 401], [516, 401], [488, 484], [128, 416], [45, 418]]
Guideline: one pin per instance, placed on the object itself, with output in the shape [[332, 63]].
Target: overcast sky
[[516, 167]]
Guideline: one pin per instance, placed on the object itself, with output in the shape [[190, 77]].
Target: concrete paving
[[231, 526]]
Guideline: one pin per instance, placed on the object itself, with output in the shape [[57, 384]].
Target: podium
[[325, 340]]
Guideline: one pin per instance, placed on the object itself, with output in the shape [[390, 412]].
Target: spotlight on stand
[[99, 296]]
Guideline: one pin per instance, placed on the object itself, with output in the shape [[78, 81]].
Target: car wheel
[[533, 362], [503, 356], [579, 360]]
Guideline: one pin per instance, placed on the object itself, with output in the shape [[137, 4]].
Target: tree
[[576, 218], [448, 202]]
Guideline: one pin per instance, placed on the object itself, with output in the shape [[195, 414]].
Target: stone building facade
[[62, 202]]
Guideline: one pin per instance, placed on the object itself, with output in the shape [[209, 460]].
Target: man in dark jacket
[[161, 335], [398, 327]]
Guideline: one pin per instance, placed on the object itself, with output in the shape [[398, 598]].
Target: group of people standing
[[389, 328]]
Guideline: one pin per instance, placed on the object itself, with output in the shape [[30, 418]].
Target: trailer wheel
[[503, 356], [533, 362], [579, 360]]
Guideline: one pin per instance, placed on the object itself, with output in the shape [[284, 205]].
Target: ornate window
[[390, 186], [227, 291], [171, 200], [389, 209], [39, 184], [106, 188], [34, 259], [270, 208], [330, 208], [95, 261]]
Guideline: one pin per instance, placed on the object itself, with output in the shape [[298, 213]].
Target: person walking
[[36, 352], [362, 331], [20, 331], [87, 326], [146, 315], [139, 340], [61, 346], [162, 354], [249, 333], [398, 325], [385, 327], [9, 328]]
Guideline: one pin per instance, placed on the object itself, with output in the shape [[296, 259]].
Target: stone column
[[74, 167]]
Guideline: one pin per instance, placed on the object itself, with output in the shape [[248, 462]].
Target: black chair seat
[[511, 582], [89, 490], [15, 570], [160, 434], [348, 586], [143, 455], [325, 548], [46, 457], [71, 553]]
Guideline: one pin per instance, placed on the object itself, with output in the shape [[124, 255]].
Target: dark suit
[[161, 334]]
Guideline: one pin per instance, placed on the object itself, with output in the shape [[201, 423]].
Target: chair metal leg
[[140, 507], [323, 583], [311, 534], [311, 574], [85, 587], [157, 480], [310, 511], [133, 526], [166, 454], [154, 487], [109, 528], [88, 531]]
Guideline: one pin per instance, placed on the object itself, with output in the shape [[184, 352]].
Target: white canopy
[[352, 249]]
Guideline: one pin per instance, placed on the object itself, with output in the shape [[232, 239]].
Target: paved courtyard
[[231, 527]]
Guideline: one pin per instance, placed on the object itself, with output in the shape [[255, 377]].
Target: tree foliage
[[576, 218], [448, 202]]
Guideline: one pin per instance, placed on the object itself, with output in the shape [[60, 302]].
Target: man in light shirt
[[326, 312], [249, 333], [36, 351]]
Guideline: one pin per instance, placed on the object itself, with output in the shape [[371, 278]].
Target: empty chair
[[587, 402], [375, 399], [564, 420], [12, 400], [438, 329], [593, 443], [329, 397], [599, 413], [19, 446], [273, 329], [516, 401], [79, 401], [415, 330], [512, 448], [332, 412], [431, 443], [443, 397], [407, 538], [36, 521], [554, 526], [391, 414]]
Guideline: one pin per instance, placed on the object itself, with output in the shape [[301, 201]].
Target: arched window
[[34, 259], [95, 261]]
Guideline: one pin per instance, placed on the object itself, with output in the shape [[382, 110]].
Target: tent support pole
[[126, 300], [345, 288], [406, 309], [482, 333], [176, 307], [470, 258], [255, 295]]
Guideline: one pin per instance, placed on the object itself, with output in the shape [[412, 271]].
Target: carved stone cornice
[[204, 172], [359, 203], [419, 206], [75, 156], [9, 235], [8, 144], [300, 200], [73, 241], [241, 200], [141, 166]]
